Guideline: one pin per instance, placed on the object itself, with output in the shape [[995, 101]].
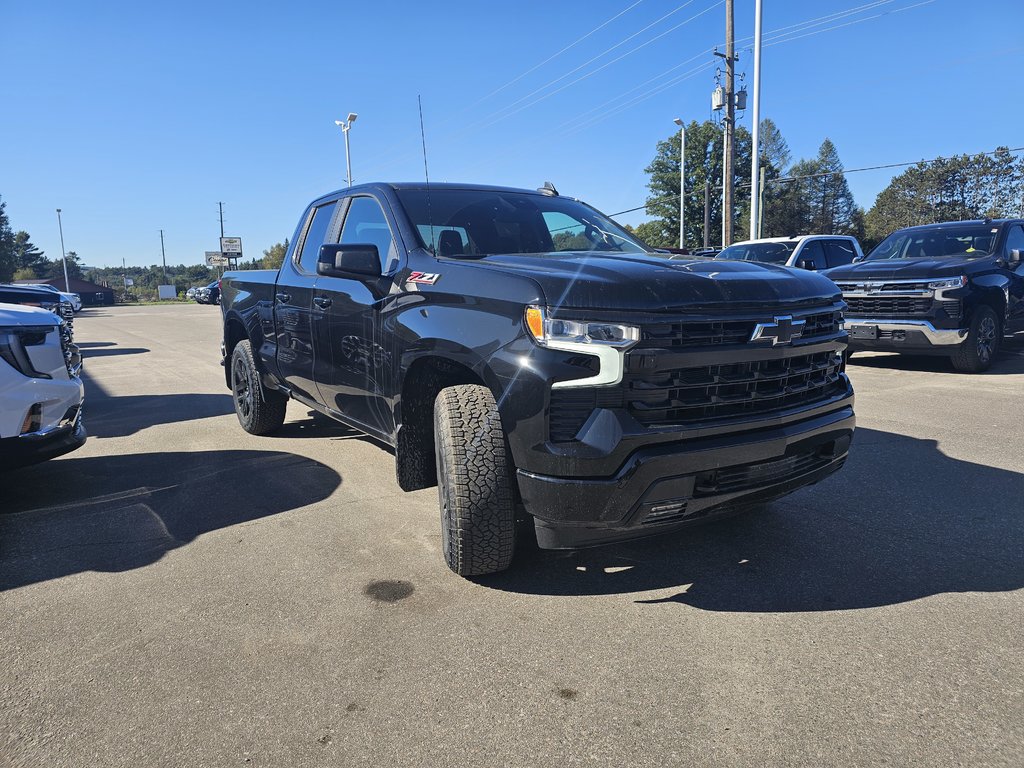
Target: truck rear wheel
[[980, 347], [260, 411], [474, 480]]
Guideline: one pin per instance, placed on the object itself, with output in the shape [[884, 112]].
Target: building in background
[[93, 295]]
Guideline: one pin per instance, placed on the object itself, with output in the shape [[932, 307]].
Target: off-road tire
[[260, 411], [981, 346], [474, 480]]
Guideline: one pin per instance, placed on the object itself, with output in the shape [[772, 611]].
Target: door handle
[[322, 302], [284, 298]]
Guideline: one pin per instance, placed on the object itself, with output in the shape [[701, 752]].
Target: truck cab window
[[365, 224], [316, 232]]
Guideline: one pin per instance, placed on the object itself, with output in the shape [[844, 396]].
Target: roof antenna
[[548, 189], [426, 175]]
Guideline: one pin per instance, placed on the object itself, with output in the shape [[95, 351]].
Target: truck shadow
[[115, 513], [1010, 360], [109, 415], [900, 522]]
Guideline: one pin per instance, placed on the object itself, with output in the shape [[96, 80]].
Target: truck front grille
[[690, 395], [888, 306], [717, 333], [665, 384]]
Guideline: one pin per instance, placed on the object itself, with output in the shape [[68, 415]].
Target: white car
[[804, 251], [71, 298], [41, 389]]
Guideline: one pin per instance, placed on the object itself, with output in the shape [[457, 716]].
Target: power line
[[608, 64], [783, 179], [554, 56]]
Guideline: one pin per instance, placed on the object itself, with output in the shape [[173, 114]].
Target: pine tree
[[27, 255], [703, 164], [8, 258]]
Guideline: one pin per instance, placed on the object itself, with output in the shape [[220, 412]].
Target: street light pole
[[755, 151], [682, 182], [345, 126], [63, 255]]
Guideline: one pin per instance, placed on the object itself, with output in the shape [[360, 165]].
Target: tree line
[[811, 196], [20, 259]]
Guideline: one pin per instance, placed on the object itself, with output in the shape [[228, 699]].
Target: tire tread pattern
[[474, 476]]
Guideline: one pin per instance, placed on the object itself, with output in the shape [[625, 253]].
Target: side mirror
[[805, 263], [353, 261], [1015, 256], [857, 259]]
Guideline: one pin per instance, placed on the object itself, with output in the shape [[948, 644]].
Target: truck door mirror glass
[[805, 263], [348, 260]]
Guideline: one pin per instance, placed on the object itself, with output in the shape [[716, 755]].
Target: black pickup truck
[[525, 353], [948, 289]]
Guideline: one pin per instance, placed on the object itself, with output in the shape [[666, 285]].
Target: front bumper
[[665, 487], [36, 447], [896, 335]]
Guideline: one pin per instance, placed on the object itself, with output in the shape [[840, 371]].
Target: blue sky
[[136, 117]]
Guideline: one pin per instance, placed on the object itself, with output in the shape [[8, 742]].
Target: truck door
[[293, 301], [1015, 309], [354, 364]]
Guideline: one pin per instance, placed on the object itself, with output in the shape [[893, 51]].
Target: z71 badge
[[424, 277]]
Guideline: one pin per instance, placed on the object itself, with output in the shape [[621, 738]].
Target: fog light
[[33, 419]]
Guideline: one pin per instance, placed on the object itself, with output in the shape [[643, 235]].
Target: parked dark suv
[[948, 289]]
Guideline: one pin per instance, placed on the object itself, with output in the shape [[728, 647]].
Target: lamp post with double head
[[345, 126]]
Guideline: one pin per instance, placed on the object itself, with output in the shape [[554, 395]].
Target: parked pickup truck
[[525, 353], [948, 289]]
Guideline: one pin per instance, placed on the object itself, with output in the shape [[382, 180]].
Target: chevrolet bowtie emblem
[[782, 331]]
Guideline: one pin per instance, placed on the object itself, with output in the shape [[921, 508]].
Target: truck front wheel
[[979, 349], [260, 411], [474, 480]]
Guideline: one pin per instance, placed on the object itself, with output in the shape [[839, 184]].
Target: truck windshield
[[768, 253], [936, 242], [468, 222]]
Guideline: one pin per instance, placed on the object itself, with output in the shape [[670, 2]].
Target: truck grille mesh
[[710, 392], [888, 306], [658, 395]]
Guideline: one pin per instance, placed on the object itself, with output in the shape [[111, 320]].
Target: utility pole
[[730, 120], [221, 206], [163, 255], [756, 175]]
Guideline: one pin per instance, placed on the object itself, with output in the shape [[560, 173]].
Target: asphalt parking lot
[[180, 593]]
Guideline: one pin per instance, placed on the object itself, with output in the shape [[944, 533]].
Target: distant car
[[72, 298], [191, 293], [41, 390], [202, 295], [36, 296], [213, 292], [812, 252]]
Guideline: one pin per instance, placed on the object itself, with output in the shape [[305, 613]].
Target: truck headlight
[[606, 341], [949, 282]]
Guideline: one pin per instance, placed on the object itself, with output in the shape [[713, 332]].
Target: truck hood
[[12, 315], [891, 269], [657, 283]]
